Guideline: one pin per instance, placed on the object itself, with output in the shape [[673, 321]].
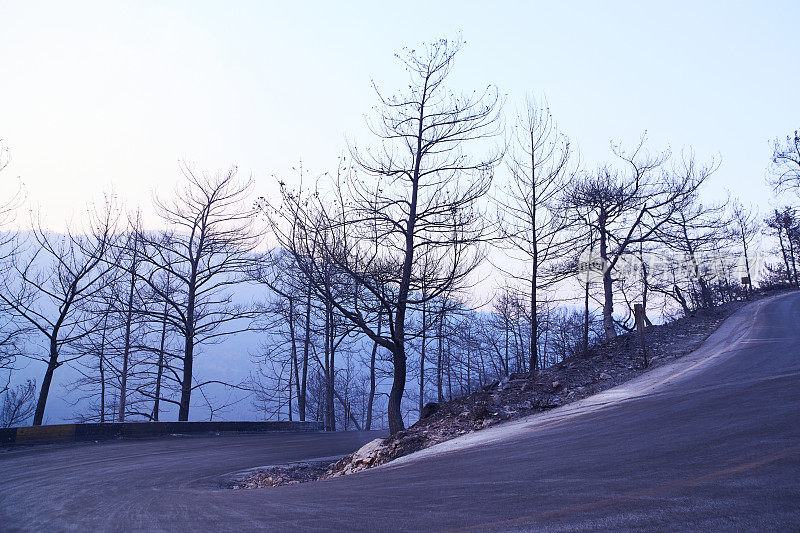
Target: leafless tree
[[785, 167], [17, 404], [745, 228], [12, 330], [531, 225], [166, 331], [208, 250], [625, 208], [419, 208], [784, 224], [691, 235], [280, 318], [50, 279]]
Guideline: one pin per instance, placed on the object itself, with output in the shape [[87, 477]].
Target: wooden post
[[638, 313]]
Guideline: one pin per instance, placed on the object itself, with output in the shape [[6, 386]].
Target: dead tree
[[280, 318], [17, 404], [93, 386], [12, 330], [419, 207], [207, 251], [785, 164], [691, 234], [531, 227], [785, 226], [744, 228], [625, 208], [129, 306], [49, 281], [164, 355]]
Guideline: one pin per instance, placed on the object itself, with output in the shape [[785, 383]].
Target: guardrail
[[132, 430]]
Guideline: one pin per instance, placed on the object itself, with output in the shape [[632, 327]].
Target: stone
[[365, 454], [491, 385], [428, 409]]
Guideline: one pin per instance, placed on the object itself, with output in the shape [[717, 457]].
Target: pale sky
[[110, 95]]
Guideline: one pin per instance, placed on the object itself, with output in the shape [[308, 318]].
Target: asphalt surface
[[711, 443]]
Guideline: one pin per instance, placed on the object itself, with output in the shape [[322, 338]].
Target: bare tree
[[52, 278], [623, 209], [280, 317], [164, 355], [208, 251], [531, 226], [420, 208], [692, 235], [12, 331], [785, 226], [745, 228], [785, 167], [17, 404]]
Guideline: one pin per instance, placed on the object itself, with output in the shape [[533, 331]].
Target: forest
[[367, 284]]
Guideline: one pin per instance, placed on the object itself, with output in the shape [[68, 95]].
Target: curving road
[[710, 442]]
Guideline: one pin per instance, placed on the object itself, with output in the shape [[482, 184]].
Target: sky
[[107, 97]]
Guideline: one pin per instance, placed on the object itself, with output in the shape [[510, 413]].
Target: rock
[[603, 375], [480, 411], [556, 385], [366, 454], [428, 409], [491, 385]]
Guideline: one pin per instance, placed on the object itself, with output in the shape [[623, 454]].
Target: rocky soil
[[605, 366], [288, 474]]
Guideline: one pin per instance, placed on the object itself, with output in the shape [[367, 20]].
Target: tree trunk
[[791, 256], [608, 292], [422, 359], [103, 370], [123, 384], [330, 408], [301, 398], [160, 370], [440, 356], [186, 383], [746, 266], [188, 347], [535, 270], [126, 352], [48, 378], [785, 256], [398, 386], [507, 362], [534, 364], [293, 362], [372, 380], [586, 317]]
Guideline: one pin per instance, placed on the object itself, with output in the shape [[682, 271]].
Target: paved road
[[710, 443]]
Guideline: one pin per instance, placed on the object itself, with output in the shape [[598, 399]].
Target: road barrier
[[132, 430]]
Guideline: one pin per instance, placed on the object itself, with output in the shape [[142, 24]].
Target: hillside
[[605, 366]]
